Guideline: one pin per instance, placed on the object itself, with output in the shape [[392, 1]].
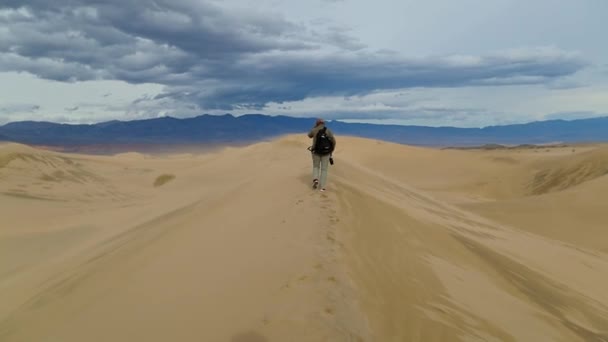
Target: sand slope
[[408, 244]]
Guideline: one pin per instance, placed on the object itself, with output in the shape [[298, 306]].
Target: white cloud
[[96, 101]]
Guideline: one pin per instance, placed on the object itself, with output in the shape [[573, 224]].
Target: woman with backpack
[[323, 145]]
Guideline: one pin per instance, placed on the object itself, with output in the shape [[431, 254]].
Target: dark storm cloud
[[293, 77], [219, 59]]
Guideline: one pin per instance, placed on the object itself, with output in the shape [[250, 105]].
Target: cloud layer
[[209, 57]]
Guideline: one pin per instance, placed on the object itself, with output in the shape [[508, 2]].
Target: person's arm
[[333, 140], [311, 133]]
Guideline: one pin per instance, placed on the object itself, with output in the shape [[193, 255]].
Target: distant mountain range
[[228, 129]]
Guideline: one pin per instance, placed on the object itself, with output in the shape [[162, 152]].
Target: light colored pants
[[320, 165]]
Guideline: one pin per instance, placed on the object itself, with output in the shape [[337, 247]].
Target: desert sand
[[407, 244]]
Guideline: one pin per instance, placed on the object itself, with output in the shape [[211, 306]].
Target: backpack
[[323, 144]]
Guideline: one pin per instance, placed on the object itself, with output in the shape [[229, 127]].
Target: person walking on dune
[[323, 146]]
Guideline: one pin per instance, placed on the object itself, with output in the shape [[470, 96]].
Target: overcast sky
[[466, 63]]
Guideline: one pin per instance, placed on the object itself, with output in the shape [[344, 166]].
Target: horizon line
[[603, 116]]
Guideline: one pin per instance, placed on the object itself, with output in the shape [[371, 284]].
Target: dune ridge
[[544, 272], [565, 174], [407, 244]]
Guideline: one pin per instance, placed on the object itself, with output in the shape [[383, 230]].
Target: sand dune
[[407, 244]]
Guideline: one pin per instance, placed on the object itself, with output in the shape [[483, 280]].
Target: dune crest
[[407, 244], [563, 174]]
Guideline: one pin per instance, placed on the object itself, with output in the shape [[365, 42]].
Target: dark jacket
[[313, 134]]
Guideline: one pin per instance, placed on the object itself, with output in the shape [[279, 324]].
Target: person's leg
[[316, 162], [324, 170]]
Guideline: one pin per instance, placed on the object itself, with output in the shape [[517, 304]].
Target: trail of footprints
[[321, 270]]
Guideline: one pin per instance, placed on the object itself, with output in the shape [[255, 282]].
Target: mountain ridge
[[230, 129]]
